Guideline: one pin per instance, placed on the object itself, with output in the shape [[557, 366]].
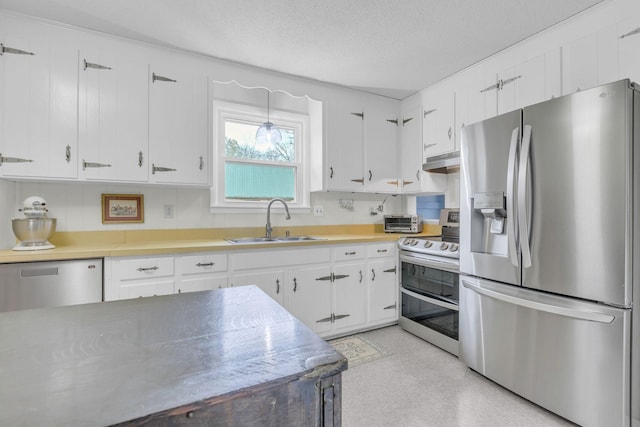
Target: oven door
[[429, 295]]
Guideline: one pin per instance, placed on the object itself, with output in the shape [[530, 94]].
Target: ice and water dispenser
[[488, 223]]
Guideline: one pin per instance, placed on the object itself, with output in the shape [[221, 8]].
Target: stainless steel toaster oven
[[402, 223]]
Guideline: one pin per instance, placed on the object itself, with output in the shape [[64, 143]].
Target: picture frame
[[122, 208]]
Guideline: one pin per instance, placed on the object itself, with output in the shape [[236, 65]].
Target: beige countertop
[[98, 244]]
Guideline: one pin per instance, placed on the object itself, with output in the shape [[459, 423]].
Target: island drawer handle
[[205, 264], [154, 268]]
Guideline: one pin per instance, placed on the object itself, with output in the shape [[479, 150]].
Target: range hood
[[443, 163]]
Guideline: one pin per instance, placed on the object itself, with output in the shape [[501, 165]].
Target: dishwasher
[[50, 283]]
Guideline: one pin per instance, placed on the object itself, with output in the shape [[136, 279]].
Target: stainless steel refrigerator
[[549, 225]]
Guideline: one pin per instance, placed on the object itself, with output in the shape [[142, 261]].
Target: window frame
[[224, 110]]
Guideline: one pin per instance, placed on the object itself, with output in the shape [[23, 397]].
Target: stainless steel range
[[429, 285]]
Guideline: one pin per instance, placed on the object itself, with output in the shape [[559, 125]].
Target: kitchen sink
[[252, 240]]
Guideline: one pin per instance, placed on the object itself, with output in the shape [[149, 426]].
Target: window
[[429, 206], [249, 174]]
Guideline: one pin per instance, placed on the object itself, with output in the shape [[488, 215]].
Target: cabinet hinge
[[390, 270], [361, 115], [4, 49], [394, 121], [426, 113], [405, 121], [86, 165], [500, 84], [155, 169], [631, 33], [389, 307], [13, 160], [94, 66], [155, 77]]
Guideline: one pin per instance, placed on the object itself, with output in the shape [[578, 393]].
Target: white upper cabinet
[[530, 82], [629, 48], [361, 147], [114, 120], [590, 61], [38, 102], [178, 131], [345, 139], [381, 147], [438, 121]]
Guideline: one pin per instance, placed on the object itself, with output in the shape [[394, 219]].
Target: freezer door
[[488, 166], [566, 355], [577, 225]]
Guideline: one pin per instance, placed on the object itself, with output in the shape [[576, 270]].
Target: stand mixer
[[34, 230]]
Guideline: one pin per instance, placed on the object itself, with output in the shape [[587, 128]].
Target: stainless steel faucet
[[286, 208]]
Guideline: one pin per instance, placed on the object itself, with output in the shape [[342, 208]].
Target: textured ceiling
[[390, 47]]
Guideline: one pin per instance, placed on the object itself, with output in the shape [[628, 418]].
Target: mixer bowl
[[33, 231]]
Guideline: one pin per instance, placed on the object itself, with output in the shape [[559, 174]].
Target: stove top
[[431, 247]]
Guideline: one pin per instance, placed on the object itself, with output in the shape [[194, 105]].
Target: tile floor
[[421, 385]]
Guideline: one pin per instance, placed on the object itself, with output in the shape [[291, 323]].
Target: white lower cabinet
[[271, 282], [382, 270], [133, 277], [201, 272], [333, 289]]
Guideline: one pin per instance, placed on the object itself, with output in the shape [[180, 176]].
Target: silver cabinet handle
[[94, 66], [277, 286], [86, 164], [418, 175], [140, 159], [295, 284], [201, 165], [449, 133], [13, 160], [361, 276], [350, 253], [155, 77], [67, 153], [382, 251], [145, 269], [330, 172], [205, 264], [370, 175], [155, 169], [373, 275], [4, 49]]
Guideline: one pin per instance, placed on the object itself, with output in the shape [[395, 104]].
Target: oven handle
[[431, 300], [429, 263]]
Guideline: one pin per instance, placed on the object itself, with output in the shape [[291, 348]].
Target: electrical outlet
[[168, 211], [318, 211]]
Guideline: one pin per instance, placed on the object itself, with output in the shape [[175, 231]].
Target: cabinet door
[[381, 147], [145, 289], [39, 104], [345, 131], [410, 148], [114, 115], [530, 82], [310, 297], [629, 46], [350, 289], [438, 133], [201, 283], [590, 61], [272, 283], [178, 135], [383, 289]]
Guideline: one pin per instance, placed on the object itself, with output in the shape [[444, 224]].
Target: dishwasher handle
[[37, 272]]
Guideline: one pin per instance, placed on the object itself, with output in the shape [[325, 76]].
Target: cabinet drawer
[[345, 253], [199, 264], [278, 258], [146, 289], [381, 250], [143, 268]]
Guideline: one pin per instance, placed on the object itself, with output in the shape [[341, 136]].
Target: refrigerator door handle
[[523, 221], [511, 203], [573, 313]]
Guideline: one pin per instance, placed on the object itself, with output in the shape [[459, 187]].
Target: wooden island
[[217, 358]]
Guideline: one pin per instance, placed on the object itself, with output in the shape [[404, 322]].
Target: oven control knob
[[443, 246], [406, 241], [454, 247], [428, 243], [413, 242]]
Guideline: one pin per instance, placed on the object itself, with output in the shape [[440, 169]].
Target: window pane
[[240, 142], [429, 206], [247, 181]]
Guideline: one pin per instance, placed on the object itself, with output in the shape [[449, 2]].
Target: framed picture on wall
[[122, 208]]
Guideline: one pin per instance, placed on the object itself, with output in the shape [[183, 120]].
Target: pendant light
[[268, 133]]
